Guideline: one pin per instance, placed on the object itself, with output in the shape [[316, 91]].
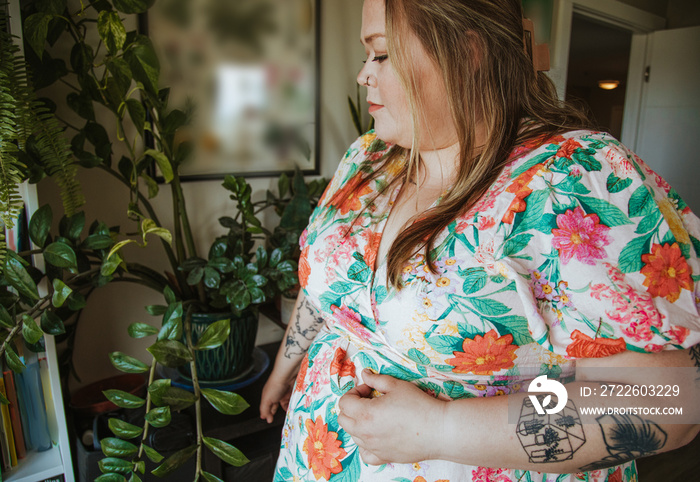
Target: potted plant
[[294, 203], [121, 74]]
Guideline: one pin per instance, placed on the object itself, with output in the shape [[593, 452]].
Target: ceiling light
[[608, 84]]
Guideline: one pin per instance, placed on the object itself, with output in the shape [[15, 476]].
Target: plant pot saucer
[[260, 363]]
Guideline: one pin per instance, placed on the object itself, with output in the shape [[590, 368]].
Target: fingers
[[268, 410], [381, 383], [369, 458]]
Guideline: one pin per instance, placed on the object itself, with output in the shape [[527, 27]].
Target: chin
[[390, 136]]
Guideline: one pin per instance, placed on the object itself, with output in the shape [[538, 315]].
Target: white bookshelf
[[37, 466]]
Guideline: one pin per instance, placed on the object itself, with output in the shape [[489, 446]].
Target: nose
[[365, 78]]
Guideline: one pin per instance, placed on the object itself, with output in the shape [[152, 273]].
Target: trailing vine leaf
[[174, 461], [226, 452], [30, 331], [123, 429], [110, 477], [152, 454], [123, 399], [159, 417], [115, 465], [61, 292], [115, 447], [225, 402], [214, 336], [141, 330], [170, 353], [13, 361], [126, 363]]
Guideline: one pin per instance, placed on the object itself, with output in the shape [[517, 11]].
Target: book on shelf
[[29, 387], [15, 419], [7, 437]]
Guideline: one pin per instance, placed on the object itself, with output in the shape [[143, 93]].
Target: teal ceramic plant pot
[[233, 359]]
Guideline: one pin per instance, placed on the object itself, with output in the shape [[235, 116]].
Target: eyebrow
[[370, 38]]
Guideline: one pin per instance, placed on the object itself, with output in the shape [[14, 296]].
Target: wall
[[111, 309]]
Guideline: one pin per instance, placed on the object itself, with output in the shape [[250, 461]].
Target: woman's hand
[[275, 393], [403, 425]]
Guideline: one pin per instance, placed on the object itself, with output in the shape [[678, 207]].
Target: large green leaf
[[172, 323], [36, 28], [124, 429], [111, 30], [12, 360], [170, 353], [30, 330], [111, 477], [175, 461], [608, 213], [61, 292], [215, 335], [225, 402], [60, 255], [123, 399], [114, 447], [157, 388], [17, 276], [152, 454], [159, 417], [631, 255], [177, 398], [226, 452], [141, 330], [6, 319], [40, 224], [127, 364], [52, 324], [143, 63], [210, 477], [137, 114], [113, 464]]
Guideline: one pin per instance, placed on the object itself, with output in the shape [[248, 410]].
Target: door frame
[[612, 12]]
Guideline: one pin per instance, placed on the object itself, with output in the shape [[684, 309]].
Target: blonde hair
[[477, 45]]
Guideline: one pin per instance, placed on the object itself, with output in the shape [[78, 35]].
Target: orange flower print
[[371, 248], [568, 148], [304, 269], [347, 198], [520, 188], [301, 376], [666, 271], [615, 476], [484, 355], [342, 366], [583, 346], [323, 449]]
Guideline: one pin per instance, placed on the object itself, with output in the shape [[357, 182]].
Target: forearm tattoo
[[299, 337], [695, 354], [627, 437], [550, 438]]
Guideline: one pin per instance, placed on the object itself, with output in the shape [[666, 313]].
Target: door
[[669, 118]]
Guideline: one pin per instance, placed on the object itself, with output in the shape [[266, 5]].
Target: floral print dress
[[578, 249]]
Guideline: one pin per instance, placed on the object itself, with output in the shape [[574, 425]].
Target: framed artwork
[[247, 72]]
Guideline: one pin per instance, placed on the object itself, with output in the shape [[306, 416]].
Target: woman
[[479, 238]]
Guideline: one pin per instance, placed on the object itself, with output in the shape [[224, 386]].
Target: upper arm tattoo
[[695, 354], [299, 337]]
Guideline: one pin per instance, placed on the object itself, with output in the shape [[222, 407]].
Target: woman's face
[[387, 98]]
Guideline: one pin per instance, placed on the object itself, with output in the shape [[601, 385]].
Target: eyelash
[[378, 58]]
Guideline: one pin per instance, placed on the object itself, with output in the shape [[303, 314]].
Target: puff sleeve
[[603, 251]]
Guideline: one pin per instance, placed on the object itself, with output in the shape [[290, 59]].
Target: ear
[[539, 54]]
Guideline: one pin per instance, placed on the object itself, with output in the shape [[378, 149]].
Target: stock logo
[[542, 384]]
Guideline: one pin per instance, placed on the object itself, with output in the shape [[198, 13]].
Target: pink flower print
[[485, 222], [487, 474], [484, 256], [639, 331], [653, 348], [580, 235], [462, 226], [678, 334], [575, 171], [319, 373], [352, 321], [621, 166]]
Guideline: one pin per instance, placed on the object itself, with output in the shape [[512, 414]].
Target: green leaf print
[[516, 244], [418, 357], [286, 474], [609, 214], [359, 271], [641, 202], [563, 208], [696, 244], [631, 255], [453, 389], [329, 299], [445, 344], [474, 279], [616, 184], [533, 213], [668, 238], [584, 159], [381, 293], [648, 222], [467, 330], [547, 223], [486, 306], [513, 325], [342, 287], [530, 163], [367, 362], [400, 373]]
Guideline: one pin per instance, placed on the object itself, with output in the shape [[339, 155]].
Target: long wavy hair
[[489, 77]]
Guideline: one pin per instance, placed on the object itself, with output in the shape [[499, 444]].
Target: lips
[[374, 107]]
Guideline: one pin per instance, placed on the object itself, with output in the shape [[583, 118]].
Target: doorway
[[597, 72]]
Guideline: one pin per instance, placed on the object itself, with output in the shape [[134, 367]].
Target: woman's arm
[[407, 425], [303, 327]]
